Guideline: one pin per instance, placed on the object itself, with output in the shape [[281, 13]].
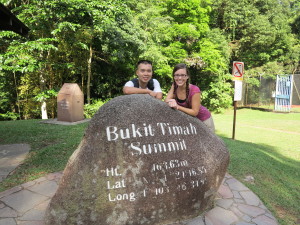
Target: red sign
[[238, 69]]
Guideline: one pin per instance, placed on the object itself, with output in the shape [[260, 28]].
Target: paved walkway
[[10, 157], [55, 121], [235, 205]]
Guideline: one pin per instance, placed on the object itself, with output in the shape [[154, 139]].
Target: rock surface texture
[[140, 162]]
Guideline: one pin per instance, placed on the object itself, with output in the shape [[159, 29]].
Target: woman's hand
[[172, 103]]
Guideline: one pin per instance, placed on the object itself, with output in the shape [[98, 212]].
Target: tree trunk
[[88, 85], [18, 100]]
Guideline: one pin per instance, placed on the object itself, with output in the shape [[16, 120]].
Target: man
[[144, 84]]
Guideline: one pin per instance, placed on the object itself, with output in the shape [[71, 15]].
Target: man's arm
[[133, 90], [129, 89], [159, 95]]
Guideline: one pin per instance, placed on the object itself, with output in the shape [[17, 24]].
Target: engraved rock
[[140, 162]]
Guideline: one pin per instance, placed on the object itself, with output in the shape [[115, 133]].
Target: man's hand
[[172, 103], [157, 95], [153, 94]]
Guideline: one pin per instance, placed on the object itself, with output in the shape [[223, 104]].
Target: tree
[[97, 44], [65, 38], [257, 30], [259, 34]]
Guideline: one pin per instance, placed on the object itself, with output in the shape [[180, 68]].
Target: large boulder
[[140, 162]]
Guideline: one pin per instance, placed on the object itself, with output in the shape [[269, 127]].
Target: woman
[[186, 97]]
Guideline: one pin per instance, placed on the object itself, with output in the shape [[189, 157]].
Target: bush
[[9, 116], [91, 109], [218, 96]]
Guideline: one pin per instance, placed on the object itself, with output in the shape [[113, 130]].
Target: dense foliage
[[97, 44]]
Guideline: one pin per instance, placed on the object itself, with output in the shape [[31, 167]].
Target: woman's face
[[180, 77]]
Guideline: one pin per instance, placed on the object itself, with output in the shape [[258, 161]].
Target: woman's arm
[[196, 103], [170, 94]]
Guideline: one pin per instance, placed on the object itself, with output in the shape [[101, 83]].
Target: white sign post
[[237, 72], [238, 87]]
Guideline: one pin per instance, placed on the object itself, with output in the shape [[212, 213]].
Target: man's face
[[144, 72]]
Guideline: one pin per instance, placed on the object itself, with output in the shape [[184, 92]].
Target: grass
[[51, 147], [266, 146], [270, 107]]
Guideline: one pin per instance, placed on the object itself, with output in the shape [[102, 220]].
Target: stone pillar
[[70, 103]]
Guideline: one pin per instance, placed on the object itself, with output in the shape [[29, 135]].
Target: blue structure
[[283, 95]]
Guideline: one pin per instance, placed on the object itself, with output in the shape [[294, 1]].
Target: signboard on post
[[238, 86], [237, 72]]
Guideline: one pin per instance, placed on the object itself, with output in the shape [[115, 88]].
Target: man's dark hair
[[143, 62]]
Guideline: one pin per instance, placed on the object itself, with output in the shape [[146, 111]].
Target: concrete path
[[55, 121], [10, 157], [235, 205]]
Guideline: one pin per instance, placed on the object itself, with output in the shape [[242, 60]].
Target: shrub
[[9, 116], [91, 109]]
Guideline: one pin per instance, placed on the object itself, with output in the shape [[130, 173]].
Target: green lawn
[[51, 147], [266, 146]]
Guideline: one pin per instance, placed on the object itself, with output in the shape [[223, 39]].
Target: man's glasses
[[180, 75]]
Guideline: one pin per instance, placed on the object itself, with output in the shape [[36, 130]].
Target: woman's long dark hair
[[178, 67]]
